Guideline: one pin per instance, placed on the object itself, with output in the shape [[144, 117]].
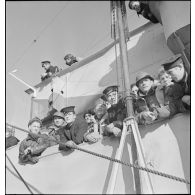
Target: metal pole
[[118, 157], [122, 41], [134, 154]]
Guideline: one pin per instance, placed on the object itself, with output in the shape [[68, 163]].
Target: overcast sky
[[59, 27]]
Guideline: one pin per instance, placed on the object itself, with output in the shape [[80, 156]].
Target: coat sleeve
[[39, 148], [22, 156], [120, 115], [80, 129], [62, 139]]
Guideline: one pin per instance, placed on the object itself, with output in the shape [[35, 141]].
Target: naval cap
[[67, 109], [110, 89], [142, 75], [172, 62]]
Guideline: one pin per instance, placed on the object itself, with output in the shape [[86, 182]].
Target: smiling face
[[88, 118], [112, 97], [58, 121], [134, 90], [70, 117], [165, 79], [177, 73], [145, 84], [35, 127]]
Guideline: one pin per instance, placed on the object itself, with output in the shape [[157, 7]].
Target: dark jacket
[[37, 143], [146, 13], [52, 70], [170, 97], [53, 133], [146, 102], [117, 113], [11, 141], [74, 132], [186, 83]]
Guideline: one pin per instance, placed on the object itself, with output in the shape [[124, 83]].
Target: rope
[[19, 174], [133, 165], [122, 162]]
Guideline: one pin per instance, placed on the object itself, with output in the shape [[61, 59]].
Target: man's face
[[145, 84], [68, 61], [88, 118], [135, 5], [46, 66], [165, 79], [58, 121], [35, 127], [177, 73], [134, 90], [70, 117], [112, 97], [100, 110]]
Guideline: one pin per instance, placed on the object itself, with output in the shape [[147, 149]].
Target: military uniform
[[116, 113], [72, 131], [185, 82]]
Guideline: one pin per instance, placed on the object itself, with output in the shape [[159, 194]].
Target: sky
[[47, 30]]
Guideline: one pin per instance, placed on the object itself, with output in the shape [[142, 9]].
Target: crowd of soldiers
[[52, 70], [152, 100]]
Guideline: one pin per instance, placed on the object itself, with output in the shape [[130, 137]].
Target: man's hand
[[186, 99], [116, 131], [34, 160], [27, 150], [70, 143], [149, 117], [44, 74], [93, 137]]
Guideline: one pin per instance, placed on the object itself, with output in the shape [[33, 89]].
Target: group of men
[[167, 97], [52, 70], [151, 101]]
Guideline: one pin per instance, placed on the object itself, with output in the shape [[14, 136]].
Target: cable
[[38, 36], [19, 174], [121, 162]]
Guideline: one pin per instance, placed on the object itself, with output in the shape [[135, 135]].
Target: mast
[[131, 124], [125, 67]]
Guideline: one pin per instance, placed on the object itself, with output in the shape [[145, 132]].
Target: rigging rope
[[121, 162], [38, 36], [19, 174]]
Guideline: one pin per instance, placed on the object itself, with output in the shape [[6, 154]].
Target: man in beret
[[49, 70], [35, 143], [175, 67], [147, 107], [73, 133], [58, 122], [116, 113]]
